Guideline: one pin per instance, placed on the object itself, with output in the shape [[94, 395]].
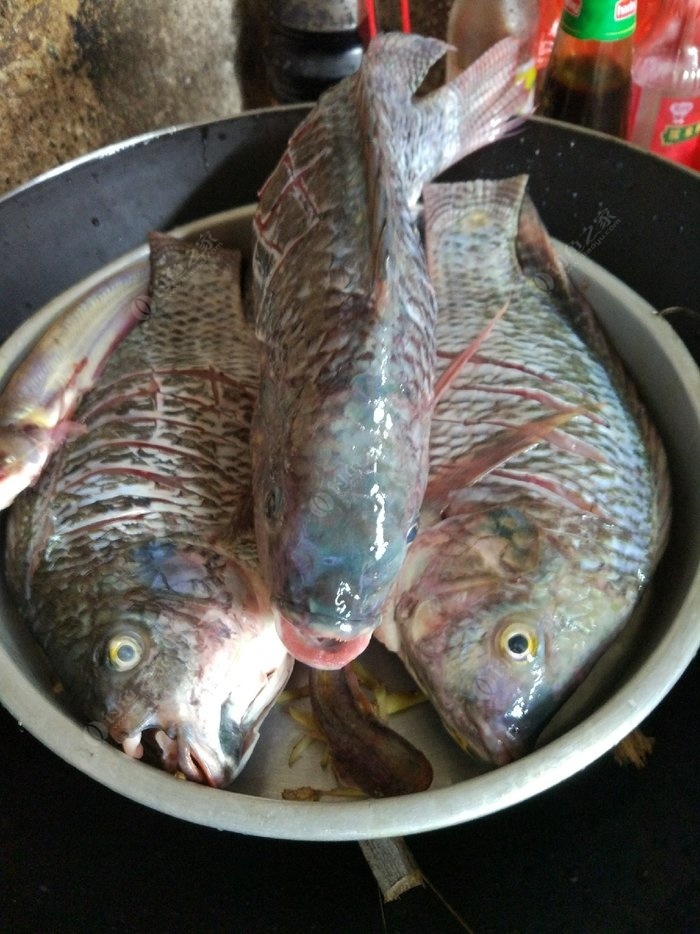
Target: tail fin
[[474, 109], [480, 105]]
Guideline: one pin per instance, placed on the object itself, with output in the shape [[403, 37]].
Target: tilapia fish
[[133, 558], [547, 505], [46, 388], [346, 314]]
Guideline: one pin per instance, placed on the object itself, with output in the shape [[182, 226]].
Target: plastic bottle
[[587, 81], [312, 44], [648, 12], [665, 107], [473, 26], [550, 13]]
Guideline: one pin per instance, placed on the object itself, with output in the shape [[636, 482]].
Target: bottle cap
[[316, 15]]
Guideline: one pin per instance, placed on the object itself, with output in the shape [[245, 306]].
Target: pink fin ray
[[461, 359], [496, 451], [554, 487], [66, 430]]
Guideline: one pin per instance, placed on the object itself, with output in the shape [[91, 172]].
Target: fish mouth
[[317, 650], [491, 745], [182, 752]]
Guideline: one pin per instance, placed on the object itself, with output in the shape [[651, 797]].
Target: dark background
[[611, 849]]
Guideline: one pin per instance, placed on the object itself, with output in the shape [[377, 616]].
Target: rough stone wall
[[79, 74]]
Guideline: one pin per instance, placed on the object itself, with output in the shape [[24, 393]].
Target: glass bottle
[[311, 45], [587, 81], [665, 108], [473, 26], [550, 13]]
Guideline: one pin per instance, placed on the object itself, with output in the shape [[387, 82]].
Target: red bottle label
[[676, 133]]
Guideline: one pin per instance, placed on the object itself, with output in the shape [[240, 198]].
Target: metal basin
[[172, 177]]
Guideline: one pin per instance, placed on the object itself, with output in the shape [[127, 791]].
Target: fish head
[[23, 452], [333, 525], [189, 674], [331, 568], [499, 621], [504, 694]]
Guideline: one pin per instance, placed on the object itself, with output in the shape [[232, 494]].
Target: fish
[[345, 312], [133, 556], [46, 387], [548, 501]]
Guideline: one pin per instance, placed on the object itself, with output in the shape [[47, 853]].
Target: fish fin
[[554, 487], [496, 451], [536, 254], [460, 360], [480, 105]]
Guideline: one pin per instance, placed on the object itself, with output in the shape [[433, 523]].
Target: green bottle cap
[[602, 20]]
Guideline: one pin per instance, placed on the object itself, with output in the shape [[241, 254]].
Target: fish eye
[[273, 503], [124, 652], [412, 532], [518, 642]]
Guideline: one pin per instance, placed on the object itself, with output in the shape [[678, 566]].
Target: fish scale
[[511, 394], [138, 537], [548, 502], [346, 313], [163, 455]]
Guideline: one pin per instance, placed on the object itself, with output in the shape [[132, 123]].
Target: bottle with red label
[[587, 80], [550, 13], [665, 108]]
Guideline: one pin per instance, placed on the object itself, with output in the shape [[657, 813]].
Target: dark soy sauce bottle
[[311, 46], [587, 81]]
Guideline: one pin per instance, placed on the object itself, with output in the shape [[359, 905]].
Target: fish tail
[[408, 140], [474, 109], [460, 207], [392, 69], [480, 105]]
